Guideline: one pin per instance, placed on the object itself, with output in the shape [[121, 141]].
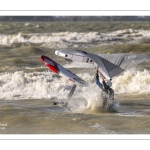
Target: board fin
[[71, 92], [68, 98]]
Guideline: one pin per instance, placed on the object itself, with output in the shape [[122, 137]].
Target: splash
[[94, 102]]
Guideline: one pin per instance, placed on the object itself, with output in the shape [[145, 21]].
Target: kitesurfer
[[107, 92]]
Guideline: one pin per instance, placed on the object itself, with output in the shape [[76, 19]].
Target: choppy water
[[28, 89], [41, 116]]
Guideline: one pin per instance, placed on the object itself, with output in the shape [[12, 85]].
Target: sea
[[28, 88]]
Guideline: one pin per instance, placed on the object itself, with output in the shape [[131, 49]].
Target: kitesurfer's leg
[[104, 99], [111, 95]]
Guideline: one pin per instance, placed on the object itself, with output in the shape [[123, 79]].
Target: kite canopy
[[122, 61], [110, 65]]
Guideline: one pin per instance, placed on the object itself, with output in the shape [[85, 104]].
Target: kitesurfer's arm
[[97, 80], [104, 83]]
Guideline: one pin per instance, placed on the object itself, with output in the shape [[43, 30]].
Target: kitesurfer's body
[[107, 93]]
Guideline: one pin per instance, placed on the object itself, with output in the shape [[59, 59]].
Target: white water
[[62, 39], [133, 82], [39, 85]]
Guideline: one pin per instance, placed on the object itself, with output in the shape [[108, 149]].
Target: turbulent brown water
[[28, 89], [42, 117]]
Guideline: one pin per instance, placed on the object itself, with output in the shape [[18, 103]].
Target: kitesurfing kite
[[109, 65]]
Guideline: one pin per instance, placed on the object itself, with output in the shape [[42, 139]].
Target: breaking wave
[[41, 85], [133, 81], [62, 39]]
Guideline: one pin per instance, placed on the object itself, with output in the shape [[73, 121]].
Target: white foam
[[41, 85], [63, 39], [30, 85], [132, 82]]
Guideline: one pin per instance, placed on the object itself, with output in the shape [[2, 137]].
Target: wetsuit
[[107, 92]]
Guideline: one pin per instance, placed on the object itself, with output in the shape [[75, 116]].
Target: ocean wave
[[133, 81], [64, 38], [39, 85]]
